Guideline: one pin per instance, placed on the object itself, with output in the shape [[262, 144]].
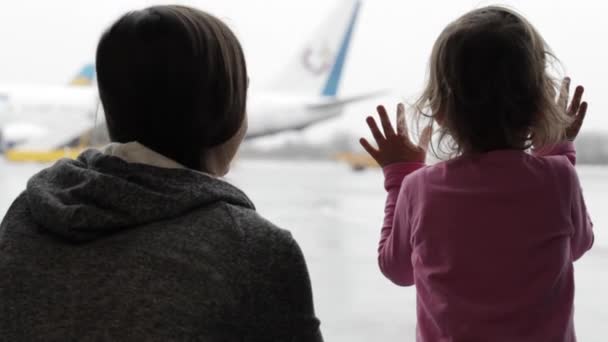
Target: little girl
[[488, 237]]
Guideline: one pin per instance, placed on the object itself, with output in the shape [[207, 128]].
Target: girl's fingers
[[578, 122], [389, 131], [564, 93], [375, 131], [425, 138], [369, 148], [580, 118], [576, 101], [401, 124]]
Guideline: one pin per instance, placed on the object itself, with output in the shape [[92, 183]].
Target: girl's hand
[[395, 147], [576, 110]]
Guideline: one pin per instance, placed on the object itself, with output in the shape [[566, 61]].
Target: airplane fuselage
[[23, 111]]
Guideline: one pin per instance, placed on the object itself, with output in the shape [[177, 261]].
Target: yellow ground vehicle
[[69, 150], [42, 156], [358, 161]]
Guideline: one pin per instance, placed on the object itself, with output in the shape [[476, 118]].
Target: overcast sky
[[46, 41]]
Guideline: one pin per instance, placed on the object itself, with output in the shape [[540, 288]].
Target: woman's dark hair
[[489, 86], [174, 79]]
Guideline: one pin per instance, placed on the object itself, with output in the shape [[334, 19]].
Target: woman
[[142, 240]]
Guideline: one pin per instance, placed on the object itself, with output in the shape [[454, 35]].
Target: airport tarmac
[[335, 215]]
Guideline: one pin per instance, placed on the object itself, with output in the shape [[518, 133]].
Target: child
[[488, 237]]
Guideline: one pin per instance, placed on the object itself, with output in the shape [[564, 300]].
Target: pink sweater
[[489, 241]]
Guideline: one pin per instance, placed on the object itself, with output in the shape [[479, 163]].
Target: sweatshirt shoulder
[[420, 176], [16, 216], [561, 162], [255, 228], [268, 249], [559, 165]]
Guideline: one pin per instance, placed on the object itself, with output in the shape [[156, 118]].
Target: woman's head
[[174, 79], [488, 84]]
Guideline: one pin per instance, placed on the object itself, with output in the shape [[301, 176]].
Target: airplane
[[304, 94], [26, 108]]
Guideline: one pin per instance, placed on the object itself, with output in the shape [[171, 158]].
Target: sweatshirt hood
[[97, 195]]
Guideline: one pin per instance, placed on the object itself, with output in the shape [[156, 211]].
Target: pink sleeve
[[565, 148], [394, 250], [582, 236]]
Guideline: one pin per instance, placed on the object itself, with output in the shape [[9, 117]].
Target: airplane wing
[[341, 102], [315, 113]]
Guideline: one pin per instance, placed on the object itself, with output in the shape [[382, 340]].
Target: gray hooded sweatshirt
[[99, 249]]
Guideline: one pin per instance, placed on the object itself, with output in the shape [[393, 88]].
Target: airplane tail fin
[[318, 67], [85, 76]]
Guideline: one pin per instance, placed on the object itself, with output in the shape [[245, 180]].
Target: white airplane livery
[[42, 123], [31, 112]]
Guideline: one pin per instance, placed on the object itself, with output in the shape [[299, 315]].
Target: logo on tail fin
[[317, 59], [317, 68]]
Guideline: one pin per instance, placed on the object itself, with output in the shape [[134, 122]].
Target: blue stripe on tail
[[88, 72], [333, 82]]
